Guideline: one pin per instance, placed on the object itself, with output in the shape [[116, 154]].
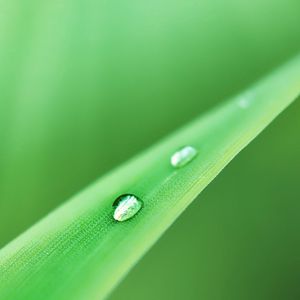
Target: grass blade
[[80, 252]]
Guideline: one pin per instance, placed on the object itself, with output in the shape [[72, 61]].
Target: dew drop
[[126, 206], [244, 103], [183, 156], [245, 100]]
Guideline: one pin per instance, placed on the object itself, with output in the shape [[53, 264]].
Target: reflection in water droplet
[[183, 156], [126, 206]]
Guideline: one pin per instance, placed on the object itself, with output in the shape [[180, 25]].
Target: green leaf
[[80, 252]]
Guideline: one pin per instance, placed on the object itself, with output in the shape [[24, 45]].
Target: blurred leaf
[[70, 72]]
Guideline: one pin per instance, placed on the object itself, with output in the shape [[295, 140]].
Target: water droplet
[[245, 100], [126, 206], [244, 103], [183, 156]]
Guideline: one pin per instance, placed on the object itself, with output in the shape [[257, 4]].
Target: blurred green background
[[86, 85]]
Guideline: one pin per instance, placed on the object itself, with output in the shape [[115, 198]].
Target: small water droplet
[[183, 156], [245, 100], [126, 206], [244, 103]]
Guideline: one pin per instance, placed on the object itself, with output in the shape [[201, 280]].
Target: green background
[[85, 85]]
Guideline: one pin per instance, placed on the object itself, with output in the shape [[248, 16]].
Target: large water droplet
[[126, 206], [183, 156]]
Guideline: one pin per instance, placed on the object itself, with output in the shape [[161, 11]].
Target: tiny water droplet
[[126, 206], [183, 156], [245, 100], [244, 103]]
